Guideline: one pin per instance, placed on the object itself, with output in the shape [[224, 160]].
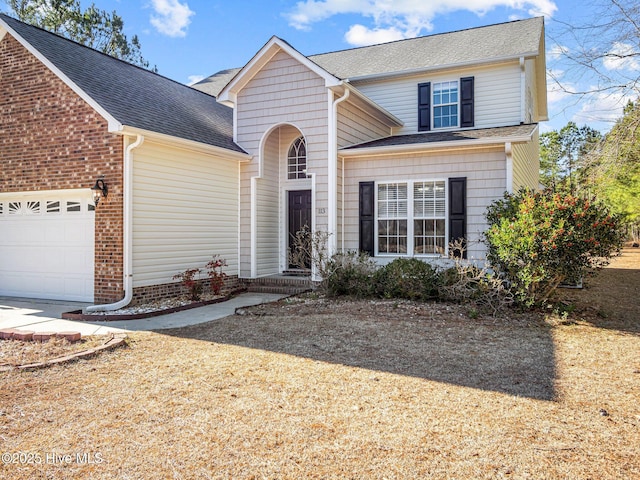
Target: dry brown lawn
[[310, 388]]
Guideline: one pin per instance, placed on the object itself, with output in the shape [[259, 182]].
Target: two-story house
[[394, 149]]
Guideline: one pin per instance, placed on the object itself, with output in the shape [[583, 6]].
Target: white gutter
[[128, 237], [332, 171], [435, 146]]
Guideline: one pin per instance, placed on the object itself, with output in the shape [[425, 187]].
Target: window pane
[[53, 206], [392, 200], [445, 104], [429, 218], [297, 159], [73, 206]]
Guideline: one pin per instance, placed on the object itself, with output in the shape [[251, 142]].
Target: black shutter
[[367, 217], [424, 106], [458, 212], [466, 102]]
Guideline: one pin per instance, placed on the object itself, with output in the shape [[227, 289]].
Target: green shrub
[[538, 241], [408, 278], [348, 274]]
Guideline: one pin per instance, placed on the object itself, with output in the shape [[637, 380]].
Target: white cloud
[[171, 17], [400, 18], [555, 92], [195, 79], [602, 107], [623, 56], [557, 52], [359, 35]]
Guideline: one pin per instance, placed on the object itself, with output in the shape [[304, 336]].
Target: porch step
[[285, 284]]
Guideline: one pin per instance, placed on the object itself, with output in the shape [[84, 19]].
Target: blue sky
[[191, 39]]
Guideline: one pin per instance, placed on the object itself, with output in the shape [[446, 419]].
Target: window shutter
[[458, 212], [424, 106], [466, 102], [367, 217]]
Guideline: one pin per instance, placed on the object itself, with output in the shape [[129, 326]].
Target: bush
[[348, 274], [408, 278], [215, 274], [191, 283], [538, 241], [476, 287]]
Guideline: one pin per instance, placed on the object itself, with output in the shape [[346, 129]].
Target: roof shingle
[[134, 96]]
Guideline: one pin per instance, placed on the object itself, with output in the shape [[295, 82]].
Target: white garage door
[[47, 245]]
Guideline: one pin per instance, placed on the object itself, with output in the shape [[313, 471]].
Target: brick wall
[[51, 139], [153, 293]]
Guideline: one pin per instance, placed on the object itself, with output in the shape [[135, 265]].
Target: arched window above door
[[297, 159]]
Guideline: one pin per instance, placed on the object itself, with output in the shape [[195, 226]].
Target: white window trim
[[433, 105], [410, 219]]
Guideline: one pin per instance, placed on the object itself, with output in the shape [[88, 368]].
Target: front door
[[299, 218]]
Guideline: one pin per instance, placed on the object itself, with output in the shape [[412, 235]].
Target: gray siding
[[497, 95], [485, 170], [185, 210]]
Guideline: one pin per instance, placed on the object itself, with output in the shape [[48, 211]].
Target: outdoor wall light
[[99, 190]]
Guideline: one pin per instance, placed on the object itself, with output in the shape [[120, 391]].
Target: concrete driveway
[[44, 315]]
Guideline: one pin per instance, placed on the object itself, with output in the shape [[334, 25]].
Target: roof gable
[[228, 94], [127, 95]]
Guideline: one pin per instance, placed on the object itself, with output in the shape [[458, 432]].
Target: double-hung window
[[392, 218], [429, 218], [411, 218], [445, 104]]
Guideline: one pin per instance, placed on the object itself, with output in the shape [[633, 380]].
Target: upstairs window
[[297, 159], [447, 104]]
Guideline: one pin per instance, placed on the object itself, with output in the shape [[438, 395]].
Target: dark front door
[[299, 218]]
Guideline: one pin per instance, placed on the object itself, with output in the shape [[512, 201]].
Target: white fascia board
[[178, 142], [261, 58], [423, 147], [436, 68], [67, 192], [114, 125]]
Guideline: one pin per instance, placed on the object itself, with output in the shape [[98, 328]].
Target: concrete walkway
[[44, 315]]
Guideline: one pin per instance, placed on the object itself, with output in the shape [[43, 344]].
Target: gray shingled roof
[[516, 131], [134, 96], [216, 82], [475, 45]]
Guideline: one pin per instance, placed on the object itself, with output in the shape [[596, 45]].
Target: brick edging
[[78, 315], [115, 341]]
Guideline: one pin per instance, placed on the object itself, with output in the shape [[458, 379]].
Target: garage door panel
[[47, 252], [54, 232]]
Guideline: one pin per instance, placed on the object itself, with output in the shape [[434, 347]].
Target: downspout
[[508, 153], [127, 233], [332, 174], [523, 86], [342, 211]]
